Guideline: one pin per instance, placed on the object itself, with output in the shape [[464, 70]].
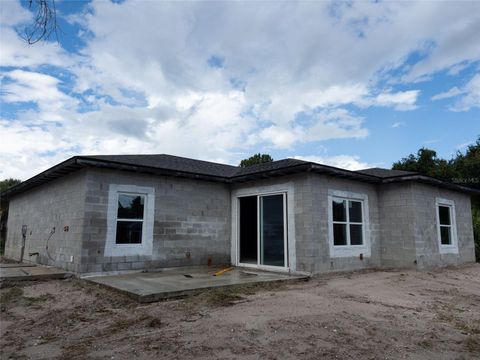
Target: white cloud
[[455, 41], [142, 82], [468, 95], [16, 53], [27, 150], [471, 96], [27, 86], [12, 13], [399, 124], [454, 91], [322, 125], [405, 100], [349, 162]]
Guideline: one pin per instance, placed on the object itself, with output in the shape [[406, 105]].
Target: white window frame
[[349, 250], [146, 246], [453, 247], [142, 220]]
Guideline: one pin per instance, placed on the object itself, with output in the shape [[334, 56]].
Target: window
[[445, 220], [347, 219], [130, 218], [130, 215], [446, 226]]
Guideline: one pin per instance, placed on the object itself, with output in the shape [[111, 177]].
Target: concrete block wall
[[426, 233], [397, 225], [58, 204], [311, 221], [191, 222], [308, 247], [315, 244]]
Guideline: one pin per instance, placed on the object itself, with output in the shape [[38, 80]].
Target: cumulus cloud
[[349, 162], [218, 80], [468, 96], [26, 86], [405, 100], [319, 126], [454, 91]]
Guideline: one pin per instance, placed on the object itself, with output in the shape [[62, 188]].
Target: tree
[[256, 159], [467, 166], [463, 169], [8, 183], [44, 22], [426, 162], [4, 185]]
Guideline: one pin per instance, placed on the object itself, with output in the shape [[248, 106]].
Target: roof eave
[[353, 175], [431, 181], [54, 172]]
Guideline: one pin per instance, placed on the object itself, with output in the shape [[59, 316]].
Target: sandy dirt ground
[[361, 315]]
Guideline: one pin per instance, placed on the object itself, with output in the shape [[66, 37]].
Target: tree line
[[462, 169]]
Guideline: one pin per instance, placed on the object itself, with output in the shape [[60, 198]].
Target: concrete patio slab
[[31, 272], [15, 265], [150, 287]]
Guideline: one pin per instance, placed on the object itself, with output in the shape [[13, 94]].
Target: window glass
[[339, 210], [129, 232], [356, 235], [355, 211], [339, 234], [444, 212], [130, 206], [445, 234]]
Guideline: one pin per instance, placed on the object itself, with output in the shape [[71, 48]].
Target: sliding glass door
[[262, 230]]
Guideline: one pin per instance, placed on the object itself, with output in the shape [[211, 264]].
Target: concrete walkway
[[23, 271], [149, 287]]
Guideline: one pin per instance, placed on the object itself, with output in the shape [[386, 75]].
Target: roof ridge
[[165, 155]]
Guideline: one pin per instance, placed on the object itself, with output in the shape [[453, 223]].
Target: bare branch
[[44, 23]]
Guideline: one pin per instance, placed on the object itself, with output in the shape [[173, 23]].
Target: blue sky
[[349, 84]]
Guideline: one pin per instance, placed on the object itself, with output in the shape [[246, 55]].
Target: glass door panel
[[248, 230], [272, 230]]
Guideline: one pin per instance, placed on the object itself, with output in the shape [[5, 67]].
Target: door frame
[[289, 225]]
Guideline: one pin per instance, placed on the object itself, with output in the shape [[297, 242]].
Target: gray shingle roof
[[170, 162], [385, 173], [181, 164], [269, 166], [162, 164]]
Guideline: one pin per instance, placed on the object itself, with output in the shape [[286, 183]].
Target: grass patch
[[36, 300], [447, 314], [427, 344], [14, 294], [230, 295], [473, 344], [464, 327], [122, 324], [11, 295], [222, 298], [150, 321]]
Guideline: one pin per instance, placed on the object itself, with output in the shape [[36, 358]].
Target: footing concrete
[[150, 287], [21, 272]]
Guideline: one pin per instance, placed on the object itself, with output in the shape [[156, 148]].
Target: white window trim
[[453, 247], [146, 246], [349, 250]]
